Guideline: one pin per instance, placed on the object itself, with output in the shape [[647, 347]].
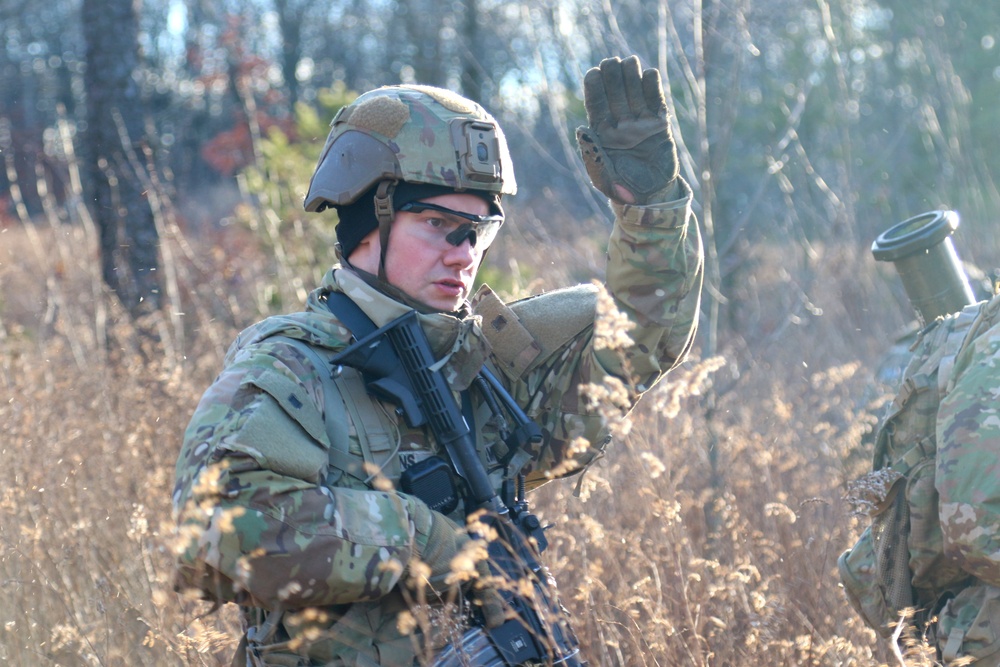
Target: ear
[[366, 255]]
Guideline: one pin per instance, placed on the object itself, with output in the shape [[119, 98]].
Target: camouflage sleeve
[[968, 460], [259, 522], [654, 278], [655, 273]]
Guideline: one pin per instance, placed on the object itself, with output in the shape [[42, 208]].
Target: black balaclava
[[358, 219]]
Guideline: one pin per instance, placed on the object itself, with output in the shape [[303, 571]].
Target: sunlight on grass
[[708, 536]]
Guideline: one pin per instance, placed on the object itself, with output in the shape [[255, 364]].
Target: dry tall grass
[[707, 538]]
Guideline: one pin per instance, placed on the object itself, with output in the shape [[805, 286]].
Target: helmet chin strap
[[384, 213]]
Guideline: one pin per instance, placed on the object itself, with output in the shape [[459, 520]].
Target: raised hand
[[628, 148]]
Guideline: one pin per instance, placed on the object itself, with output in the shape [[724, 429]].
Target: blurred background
[[802, 124], [155, 158]]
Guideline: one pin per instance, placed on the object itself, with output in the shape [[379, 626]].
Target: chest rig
[[369, 439]]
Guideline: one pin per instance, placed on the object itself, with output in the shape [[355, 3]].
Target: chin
[[448, 307], [446, 304]]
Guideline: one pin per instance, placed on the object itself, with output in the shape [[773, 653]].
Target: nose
[[463, 255]]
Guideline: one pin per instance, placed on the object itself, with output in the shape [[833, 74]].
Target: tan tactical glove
[[628, 149], [484, 586], [445, 540], [451, 558]]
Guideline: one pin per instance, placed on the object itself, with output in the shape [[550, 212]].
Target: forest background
[[155, 160]]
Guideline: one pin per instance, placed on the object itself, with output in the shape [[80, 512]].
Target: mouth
[[451, 286]]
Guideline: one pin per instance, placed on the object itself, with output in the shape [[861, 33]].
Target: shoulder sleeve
[[525, 333], [257, 519], [655, 274], [654, 278]]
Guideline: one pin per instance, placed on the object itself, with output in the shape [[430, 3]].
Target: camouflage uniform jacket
[[269, 514], [934, 541]]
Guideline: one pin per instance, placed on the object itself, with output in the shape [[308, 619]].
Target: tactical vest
[[366, 632], [899, 561]]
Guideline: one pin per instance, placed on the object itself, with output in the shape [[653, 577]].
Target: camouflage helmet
[[416, 134]]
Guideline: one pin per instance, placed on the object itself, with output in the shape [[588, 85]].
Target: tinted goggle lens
[[480, 230]]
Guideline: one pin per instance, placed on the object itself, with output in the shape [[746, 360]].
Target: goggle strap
[[420, 207]]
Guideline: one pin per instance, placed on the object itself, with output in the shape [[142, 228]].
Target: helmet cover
[[414, 134]]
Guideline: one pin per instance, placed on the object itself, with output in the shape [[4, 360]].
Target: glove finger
[[493, 607], [595, 98], [634, 95], [652, 93], [614, 86], [490, 600]]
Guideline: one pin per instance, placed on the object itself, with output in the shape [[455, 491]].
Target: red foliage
[[232, 150]]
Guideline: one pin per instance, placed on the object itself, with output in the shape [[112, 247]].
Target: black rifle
[[397, 365]]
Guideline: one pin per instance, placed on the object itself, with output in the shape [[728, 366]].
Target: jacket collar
[[456, 339]]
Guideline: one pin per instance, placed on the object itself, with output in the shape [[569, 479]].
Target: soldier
[[288, 487], [930, 560]]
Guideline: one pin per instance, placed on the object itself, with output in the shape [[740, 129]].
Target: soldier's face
[[420, 261]]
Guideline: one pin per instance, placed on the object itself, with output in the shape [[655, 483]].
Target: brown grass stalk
[[672, 554]]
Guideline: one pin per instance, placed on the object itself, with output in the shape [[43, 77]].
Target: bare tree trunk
[[473, 68], [290, 27], [129, 242], [292, 16], [423, 23]]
